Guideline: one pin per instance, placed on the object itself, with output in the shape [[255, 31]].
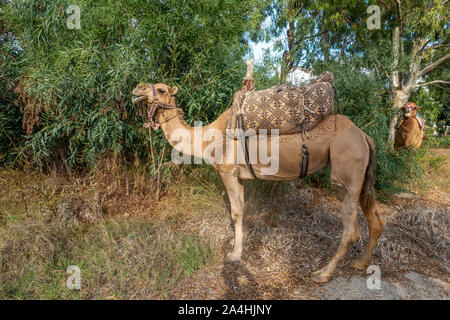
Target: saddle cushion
[[285, 107]]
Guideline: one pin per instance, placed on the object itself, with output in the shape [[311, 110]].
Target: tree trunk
[[394, 82], [392, 124], [284, 67], [324, 41], [289, 54]]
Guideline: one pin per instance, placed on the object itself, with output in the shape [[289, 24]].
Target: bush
[[74, 86], [362, 97], [11, 136], [437, 141]]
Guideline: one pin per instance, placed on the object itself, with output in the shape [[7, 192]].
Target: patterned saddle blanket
[[420, 121], [284, 107]]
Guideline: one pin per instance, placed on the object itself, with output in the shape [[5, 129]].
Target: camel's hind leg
[[349, 156], [369, 207], [349, 235], [376, 226], [235, 190]]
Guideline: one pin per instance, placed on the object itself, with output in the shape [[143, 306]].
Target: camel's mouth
[[136, 99]]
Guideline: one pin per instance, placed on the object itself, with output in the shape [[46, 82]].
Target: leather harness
[[156, 103]]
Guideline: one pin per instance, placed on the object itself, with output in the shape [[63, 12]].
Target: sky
[[258, 49]]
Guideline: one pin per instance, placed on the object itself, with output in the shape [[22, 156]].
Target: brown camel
[[411, 129], [348, 150]]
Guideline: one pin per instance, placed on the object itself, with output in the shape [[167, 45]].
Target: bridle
[[409, 107], [155, 104]]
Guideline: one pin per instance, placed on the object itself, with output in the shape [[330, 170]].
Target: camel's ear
[[173, 91]]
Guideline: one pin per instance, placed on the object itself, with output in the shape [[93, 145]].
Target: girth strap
[[305, 161], [304, 164], [242, 138]]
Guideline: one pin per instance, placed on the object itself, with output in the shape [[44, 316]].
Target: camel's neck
[[186, 139]]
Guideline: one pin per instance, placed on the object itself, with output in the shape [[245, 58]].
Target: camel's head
[[151, 93], [409, 110], [156, 97]]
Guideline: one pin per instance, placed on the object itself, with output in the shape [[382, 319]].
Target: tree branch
[[382, 68], [395, 54], [433, 65], [414, 66], [431, 82], [432, 47], [388, 7]]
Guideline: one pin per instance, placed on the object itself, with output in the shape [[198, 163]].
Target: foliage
[[266, 72], [10, 118], [434, 100], [74, 85], [437, 141], [430, 108], [363, 98]]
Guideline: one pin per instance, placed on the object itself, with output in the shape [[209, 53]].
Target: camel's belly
[[279, 158]]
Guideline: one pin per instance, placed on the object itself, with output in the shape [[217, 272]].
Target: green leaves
[[78, 83]]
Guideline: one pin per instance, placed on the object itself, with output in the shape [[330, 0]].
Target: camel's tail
[[367, 196]]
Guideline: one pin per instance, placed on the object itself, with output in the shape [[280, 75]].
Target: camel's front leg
[[235, 190]]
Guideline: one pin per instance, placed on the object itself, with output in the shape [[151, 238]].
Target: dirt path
[[412, 253]]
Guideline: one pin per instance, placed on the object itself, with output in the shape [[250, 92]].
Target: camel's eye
[[161, 91]]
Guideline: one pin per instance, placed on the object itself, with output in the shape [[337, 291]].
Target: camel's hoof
[[359, 264], [321, 276], [231, 257]]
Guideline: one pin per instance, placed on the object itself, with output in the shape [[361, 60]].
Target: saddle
[[290, 109]]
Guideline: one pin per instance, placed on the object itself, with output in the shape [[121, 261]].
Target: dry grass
[[135, 254], [435, 183], [173, 248]]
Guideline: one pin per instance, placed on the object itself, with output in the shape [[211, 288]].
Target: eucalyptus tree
[[401, 41], [419, 45], [409, 41], [292, 23]]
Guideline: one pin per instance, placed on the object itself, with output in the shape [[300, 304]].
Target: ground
[[277, 261], [174, 247]]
